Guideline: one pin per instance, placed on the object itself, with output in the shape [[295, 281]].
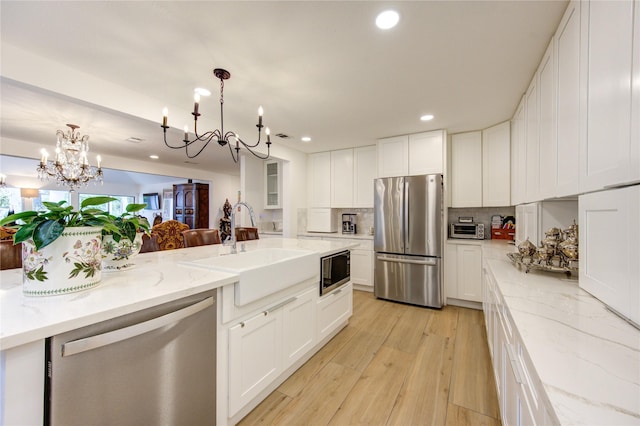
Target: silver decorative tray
[[531, 262]]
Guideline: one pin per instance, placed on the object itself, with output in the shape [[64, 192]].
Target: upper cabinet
[[466, 170], [319, 179], [272, 184], [567, 63], [342, 178], [518, 154], [547, 145], [531, 142], [364, 172], [410, 155], [607, 46], [496, 173], [480, 167]]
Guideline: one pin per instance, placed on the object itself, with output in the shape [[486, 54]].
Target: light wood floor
[[393, 364]]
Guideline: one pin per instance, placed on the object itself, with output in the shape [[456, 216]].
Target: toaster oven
[[472, 231]]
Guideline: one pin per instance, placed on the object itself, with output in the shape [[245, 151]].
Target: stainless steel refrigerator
[[408, 239]]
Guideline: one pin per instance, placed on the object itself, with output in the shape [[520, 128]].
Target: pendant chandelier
[[217, 135], [70, 166]]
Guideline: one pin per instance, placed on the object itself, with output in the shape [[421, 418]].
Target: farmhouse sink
[[264, 271]]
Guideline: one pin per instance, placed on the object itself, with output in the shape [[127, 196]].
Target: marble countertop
[[157, 278], [587, 358]]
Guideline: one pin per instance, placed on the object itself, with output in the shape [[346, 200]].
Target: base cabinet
[[299, 333], [333, 309], [463, 271]]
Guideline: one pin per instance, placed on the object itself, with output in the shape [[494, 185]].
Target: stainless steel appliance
[[335, 271], [156, 366], [348, 223], [408, 239], [474, 231]]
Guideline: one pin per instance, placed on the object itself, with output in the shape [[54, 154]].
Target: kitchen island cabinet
[[159, 277]]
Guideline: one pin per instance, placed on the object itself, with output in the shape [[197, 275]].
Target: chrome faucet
[[231, 239]]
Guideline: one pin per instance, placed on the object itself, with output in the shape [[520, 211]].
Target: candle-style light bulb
[[165, 115], [268, 132], [260, 112], [99, 160], [43, 156], [186, 133], [196, 99]]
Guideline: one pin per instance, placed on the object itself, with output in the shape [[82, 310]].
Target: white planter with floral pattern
[[71, 263], [118, 256]]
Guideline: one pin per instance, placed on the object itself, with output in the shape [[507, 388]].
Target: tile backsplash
[[480, 215]]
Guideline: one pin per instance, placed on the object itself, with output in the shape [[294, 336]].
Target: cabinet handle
[[337, 292], [280, 305]]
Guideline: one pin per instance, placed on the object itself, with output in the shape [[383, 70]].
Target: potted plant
[[60, 246], [122, 238]]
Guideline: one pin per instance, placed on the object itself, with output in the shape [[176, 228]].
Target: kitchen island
[[157, 278]]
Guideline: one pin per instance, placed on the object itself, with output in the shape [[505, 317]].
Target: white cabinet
[[527, 217], [531, 143], [361, 262], [319, 179], [635, 97], [272, 185], [547, 146], [463, 271], [342, 178], [425, 153], [567, 64], [607, 53], [518, 154], [255, 357], [393, 156], [609, 246], [364, 172], [333, 309], [298, 322], [496, 158], [410, 155], [466, 170]]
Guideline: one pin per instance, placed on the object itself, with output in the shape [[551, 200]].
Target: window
[[115, 208], [12, 201]]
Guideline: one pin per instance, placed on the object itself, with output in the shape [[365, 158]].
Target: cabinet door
[[496, 170], [361, 267], [547, 147], [609, 246], [451, 270], [635, 107], [518, 155], [272, 185], [527, 223], [255, 357], [299, 330], [532, 143], [469, 271], [364, 172], [425, 153], [567, 45], [607, 51], [342, 178], [466, 170], [319, 179], [393, 156], [333, 309]]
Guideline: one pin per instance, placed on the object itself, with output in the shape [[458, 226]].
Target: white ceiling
[[319, 68]]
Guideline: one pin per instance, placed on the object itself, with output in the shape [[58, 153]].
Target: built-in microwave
[[474, 231], [335, 271]]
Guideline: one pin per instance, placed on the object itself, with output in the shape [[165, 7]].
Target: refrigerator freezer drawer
[[409, 279]]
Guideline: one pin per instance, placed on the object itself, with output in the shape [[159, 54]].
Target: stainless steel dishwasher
[[153, 367]]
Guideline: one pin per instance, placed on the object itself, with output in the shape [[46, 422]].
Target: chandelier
[[217, 135], [70, 166]]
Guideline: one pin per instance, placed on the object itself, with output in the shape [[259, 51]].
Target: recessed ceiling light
[[154, 157], [427, 117], [387, 19], [202, 92], [305, 139]]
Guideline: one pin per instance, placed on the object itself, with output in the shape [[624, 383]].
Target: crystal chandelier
[[70, 167], [218, 135]]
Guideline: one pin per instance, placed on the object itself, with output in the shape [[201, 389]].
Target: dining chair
[[170, 234], [244, 233], [200, 237]]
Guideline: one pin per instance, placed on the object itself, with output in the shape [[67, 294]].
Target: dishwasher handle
[[88, 343]]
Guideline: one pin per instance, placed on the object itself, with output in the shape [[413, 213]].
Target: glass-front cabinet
[[272, 184]]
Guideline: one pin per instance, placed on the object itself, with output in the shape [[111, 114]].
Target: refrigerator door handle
[[405, 205], [82, 345], [426, 262]]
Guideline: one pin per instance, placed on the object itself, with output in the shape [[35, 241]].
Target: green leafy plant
[[127, 224], [45, 226]]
